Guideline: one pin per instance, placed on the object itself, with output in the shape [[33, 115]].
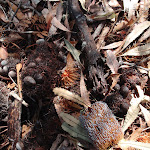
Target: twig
[[13, 15], [91, 49], [14, 115], [4, 78], [93, 56]]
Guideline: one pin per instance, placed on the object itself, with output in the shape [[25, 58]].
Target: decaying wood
[[93, 56], [14, 117], [91, 49], [14, 123]]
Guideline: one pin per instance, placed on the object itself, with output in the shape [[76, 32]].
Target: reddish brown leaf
[[59, 25], [112, 62], [3, 52], [2, 16], [83, 91]]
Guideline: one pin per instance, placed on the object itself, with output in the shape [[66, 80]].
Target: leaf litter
[[119, 75]]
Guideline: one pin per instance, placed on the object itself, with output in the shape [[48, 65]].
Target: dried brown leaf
[[138, 51], [40, 35], [102, 37], [83, 91], [75, 53], [137, 31], [3, 16], [19, 14], [114, 78], [13, 37], [59, 25], [112, 62], [45, 33], [112, 45], [121, 25], [3, 52], [70, 62]]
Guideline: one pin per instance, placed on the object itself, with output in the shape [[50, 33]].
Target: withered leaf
[[138, 30], [138, 51], [146, 114], [59, 25], [112, 62], [3, 52], [75, 53], [83, 91]]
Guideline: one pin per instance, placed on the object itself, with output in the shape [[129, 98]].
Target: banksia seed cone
[[102, 126]]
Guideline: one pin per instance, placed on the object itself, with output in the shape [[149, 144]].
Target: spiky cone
[[103, 128]]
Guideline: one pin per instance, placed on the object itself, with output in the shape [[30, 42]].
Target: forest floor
[[74, 74]]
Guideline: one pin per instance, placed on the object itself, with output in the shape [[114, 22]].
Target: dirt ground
[[74, 75]]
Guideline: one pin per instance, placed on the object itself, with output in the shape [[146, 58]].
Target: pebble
[[124, 91], [28, 80], [4, 62], [1, 71], [12, 74], [31, 65], [38, 78], [5, 69], [117, 87]]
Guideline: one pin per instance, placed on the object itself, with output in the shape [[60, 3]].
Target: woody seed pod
[[102, 126]]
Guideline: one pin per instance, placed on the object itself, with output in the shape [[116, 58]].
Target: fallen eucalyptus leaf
[[76, 132], [75, 53], [83, 90], [55, 22], [112, 45], [133, 109], [138, 145], [112, 62], [138, 30], [138, 51], [146, 114], [3, 52], [72, 121], [83, 4]]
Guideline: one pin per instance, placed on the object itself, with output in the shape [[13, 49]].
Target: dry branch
[[93, 56]]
